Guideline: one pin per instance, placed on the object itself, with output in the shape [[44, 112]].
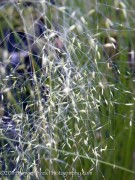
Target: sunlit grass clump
[[64, 91]]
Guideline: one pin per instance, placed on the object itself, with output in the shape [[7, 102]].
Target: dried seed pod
[[111, 48], [111, 54], [131, 60]]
